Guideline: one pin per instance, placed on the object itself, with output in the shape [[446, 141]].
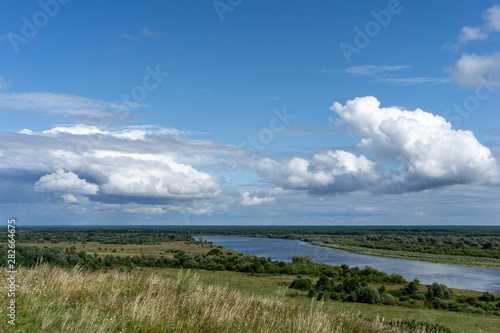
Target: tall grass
[[51, 299]]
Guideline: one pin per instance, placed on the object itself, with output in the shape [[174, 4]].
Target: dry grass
[[51, 299]]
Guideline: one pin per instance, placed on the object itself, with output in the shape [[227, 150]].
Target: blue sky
[[239, 112]]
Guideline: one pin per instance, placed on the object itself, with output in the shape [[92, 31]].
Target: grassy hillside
[[267, 284], [52, 299]]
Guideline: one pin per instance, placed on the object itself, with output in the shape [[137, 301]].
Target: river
[[462, 277]]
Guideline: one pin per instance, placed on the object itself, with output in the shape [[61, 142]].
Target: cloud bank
[[130, 165], [415, 150]]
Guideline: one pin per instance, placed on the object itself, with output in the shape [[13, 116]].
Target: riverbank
[[426, 257]]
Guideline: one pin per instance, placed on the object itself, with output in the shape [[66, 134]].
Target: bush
[[472, 309], [387, 295], [487, 297], [214, 252], [301, 283], [302, 260], [437, 290], [365, 295]]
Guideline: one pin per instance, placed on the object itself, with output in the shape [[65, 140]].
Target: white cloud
[[472, 70], [492, 18], [69, 198], [431, 152], [410, 81], [131, 133], [338, 171], [249, 200], [64, 105], [154, 176], [371, 70], [145, 210], [68, 182], [469, 33], [384, 74], [491, 24]]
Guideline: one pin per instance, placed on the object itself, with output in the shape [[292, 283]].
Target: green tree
[[437, 290]]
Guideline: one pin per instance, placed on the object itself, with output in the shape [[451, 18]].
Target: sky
[[235, 112]]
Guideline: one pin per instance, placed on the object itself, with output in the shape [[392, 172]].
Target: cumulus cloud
[[154, 176], [68, 106], [473, 70], [414, 150], [430, 151], [337, 171], [69, 182]]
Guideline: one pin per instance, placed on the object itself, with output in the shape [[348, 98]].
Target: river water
[[462, 277]]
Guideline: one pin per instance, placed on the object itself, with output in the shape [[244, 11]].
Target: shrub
[[368, 295], [437, 290], [472, 309], [324, 283], [301, 283], [487, 297], [302, 260], [214, 252], [387, 295]]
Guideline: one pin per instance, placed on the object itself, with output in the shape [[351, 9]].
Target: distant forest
[[457, 241]]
